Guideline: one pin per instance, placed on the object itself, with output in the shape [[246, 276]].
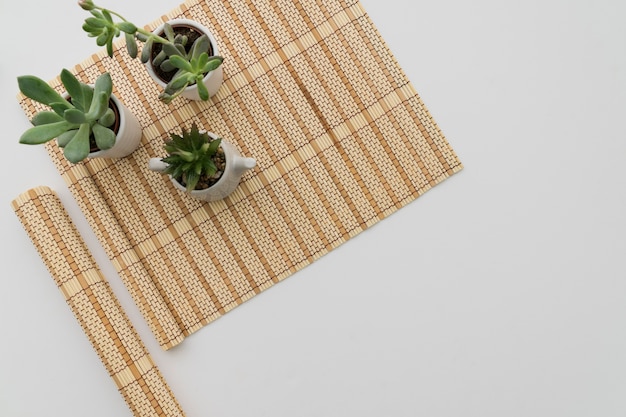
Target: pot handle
[[155, 164]]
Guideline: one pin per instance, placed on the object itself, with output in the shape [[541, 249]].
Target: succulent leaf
[[102, 92], [209, 167], [102, 38], [203, 92], [166, 98], [181, 63], [166, 65], [177, 85], [75, 116], [168, 31], [78, 148], [127, 27], [91, 31], [104, 83], [37, 89], [65, 137], [110, 45], [59, 108], [186, 156], [212, 63], [88, 96], [199, 46], [99, 106], [159, 58], [146, 50], [181, 39], [107, 119], [94, 22], [214, 146], [131, 45], [44, 133], [191, 178], [97, 14], [171, 50], [74, 89], [201, 61], [107, 15], [45, 118], [105, 137]]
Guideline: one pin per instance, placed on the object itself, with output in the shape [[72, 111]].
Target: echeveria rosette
[[72, 121]]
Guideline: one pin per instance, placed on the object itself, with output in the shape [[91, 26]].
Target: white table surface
[[501, 292]]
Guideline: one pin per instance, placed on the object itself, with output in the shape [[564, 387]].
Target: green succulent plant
[[191, 156], [192, 62], [71, 121]]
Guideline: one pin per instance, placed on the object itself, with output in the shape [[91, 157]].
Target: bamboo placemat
[[341, 138], [94, 305]]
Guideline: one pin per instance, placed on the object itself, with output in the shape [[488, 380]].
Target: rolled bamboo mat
[[341, 138], [94, 305]]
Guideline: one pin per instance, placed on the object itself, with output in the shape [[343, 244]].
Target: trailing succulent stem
[[191, 62], [191, 156], [71, 121]]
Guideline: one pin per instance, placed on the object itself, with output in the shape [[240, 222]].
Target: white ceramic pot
[[236, 165], [213, 79], [128, 135]]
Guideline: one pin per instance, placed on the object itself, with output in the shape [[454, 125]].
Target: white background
[[501, 292]]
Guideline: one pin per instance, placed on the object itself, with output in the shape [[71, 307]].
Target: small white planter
[[236, 166], [213, 79], [128, 135]]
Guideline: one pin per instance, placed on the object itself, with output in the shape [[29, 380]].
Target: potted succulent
[[87, 120], [181, 55], [200, 163]]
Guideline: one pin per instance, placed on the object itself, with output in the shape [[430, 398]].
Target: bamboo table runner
[[93, 303], [341, 139]]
